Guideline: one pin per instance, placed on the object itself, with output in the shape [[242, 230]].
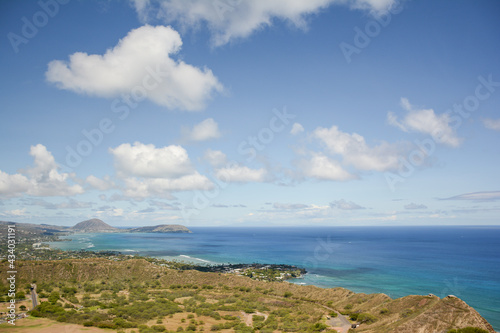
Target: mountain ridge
[[93, 225]]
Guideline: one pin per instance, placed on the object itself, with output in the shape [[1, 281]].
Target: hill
[[108, 289], [32, 231], [162, 228], [93, 226]]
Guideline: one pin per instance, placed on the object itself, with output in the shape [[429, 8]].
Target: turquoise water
[[397, 261]]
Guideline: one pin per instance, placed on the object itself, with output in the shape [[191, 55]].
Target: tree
[[54, 297]]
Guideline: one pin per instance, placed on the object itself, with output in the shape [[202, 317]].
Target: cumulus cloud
[[345, 205], [143, 160], [240, 174], [296, 129], [426, 121], [493, 124], [229, 20], [216, 158], [322, 167], [415, 206], [101, 184], [147, 170], [356, 152], [145, 188], [140, 65], [43, 179], [12, 185], [206, 130]]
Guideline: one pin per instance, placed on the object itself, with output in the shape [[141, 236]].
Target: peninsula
[[93, 226]]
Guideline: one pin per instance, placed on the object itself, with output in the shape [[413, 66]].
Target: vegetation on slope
[[137, 295]]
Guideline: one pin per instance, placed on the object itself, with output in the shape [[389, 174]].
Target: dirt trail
[[339, 323], [249, 317]]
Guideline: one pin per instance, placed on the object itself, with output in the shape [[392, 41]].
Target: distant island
[[162, 228], [96, 226]]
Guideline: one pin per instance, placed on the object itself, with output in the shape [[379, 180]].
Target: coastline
[[405, 311], [223, 245]]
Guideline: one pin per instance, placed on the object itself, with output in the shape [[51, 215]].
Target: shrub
[[158, 328], [258, 318], [366, 318], [216, 327], [191, 327], [384, 311], [106, 325], [288, 294], [406, 313], [318, 327]]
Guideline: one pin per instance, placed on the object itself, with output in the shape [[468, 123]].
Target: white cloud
[[145, 188], [110, 212], [11, 185], [296, 129], [356, 152], [150, 171], [345, 205], [143, 160], [43, 179], [216, 158], [101, 184], [493, 124], [15, 212], [426, 121], [415, 206], [229, 20], [240, 174], [139, 65], [206, 130], [322, 167]]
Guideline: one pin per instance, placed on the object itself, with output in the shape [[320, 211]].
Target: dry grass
[[421, 313]]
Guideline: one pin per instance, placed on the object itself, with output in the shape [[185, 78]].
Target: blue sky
[[250, 113]]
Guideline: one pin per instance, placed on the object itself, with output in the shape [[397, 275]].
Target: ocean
[[461, 260]]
